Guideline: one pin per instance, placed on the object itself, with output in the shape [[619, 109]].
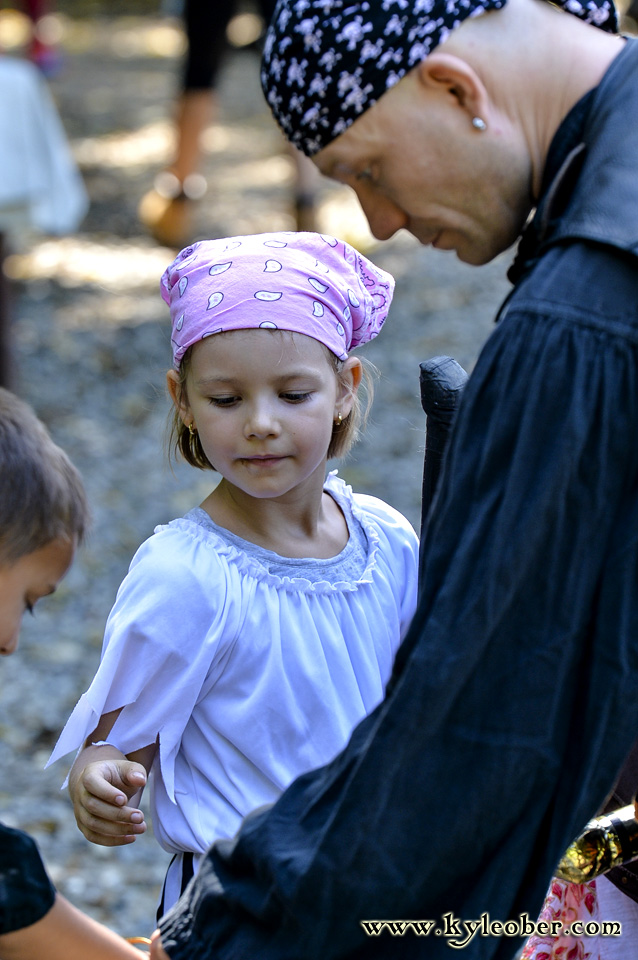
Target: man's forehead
[[359, 144], [339, 159]]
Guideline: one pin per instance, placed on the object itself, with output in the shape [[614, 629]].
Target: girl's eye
[[222, 401], [295, 397]]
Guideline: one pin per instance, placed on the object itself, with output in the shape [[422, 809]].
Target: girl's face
[[27, 580], [264, 403]]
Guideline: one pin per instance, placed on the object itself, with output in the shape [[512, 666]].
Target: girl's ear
[[178, 396], [349, 381]]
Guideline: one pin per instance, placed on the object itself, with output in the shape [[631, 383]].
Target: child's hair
[[42, 496], [344, 435]]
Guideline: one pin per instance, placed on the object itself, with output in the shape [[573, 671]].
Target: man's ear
[[448, 74], [178, 396]]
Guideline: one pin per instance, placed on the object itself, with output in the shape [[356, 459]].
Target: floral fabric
[[566, 902]]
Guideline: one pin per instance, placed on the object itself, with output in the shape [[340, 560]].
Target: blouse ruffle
[[251, 566]]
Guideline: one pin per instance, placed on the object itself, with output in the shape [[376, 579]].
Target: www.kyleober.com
[[459, 933]]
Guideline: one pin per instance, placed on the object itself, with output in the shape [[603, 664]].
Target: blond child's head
[[289, 286]]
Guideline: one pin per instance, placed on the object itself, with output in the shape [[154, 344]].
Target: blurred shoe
[[167, 210]]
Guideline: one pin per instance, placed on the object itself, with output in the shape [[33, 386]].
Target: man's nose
[[382, 214], [9, 644]]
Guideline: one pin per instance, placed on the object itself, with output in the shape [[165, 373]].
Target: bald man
[[514, 698]]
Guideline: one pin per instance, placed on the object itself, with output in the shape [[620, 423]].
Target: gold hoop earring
[[338, 420], [192, 430]]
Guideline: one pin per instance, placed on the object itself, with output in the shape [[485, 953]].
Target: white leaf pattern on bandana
[[268, 295]]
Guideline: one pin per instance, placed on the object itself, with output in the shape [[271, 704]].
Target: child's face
[[264, 405], [27, 580]]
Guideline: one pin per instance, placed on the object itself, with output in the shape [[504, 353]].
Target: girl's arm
[[65, 933], [103, 781]]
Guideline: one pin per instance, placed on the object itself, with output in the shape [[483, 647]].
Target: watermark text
[[459, 933]]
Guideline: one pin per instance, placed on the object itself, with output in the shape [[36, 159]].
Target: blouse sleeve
[[398, 549], [160, 647], [26, 892]]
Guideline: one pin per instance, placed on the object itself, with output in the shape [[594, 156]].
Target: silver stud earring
[[479, 124]]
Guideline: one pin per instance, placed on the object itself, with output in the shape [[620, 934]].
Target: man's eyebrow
[[328, 165], [340, 170]]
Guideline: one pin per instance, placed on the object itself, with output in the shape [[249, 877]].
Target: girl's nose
[[261, 421]]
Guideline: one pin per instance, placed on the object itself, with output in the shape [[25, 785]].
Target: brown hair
[[183, 443], [42, 496]]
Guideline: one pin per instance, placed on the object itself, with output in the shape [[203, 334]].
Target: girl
[[43, 516], [253, 634]]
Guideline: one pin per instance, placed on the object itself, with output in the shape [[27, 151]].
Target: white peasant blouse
[[245, 679]]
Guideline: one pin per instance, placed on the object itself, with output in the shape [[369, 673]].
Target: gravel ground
[[91, 349]]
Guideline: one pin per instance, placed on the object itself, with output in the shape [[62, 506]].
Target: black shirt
[[26, 892]]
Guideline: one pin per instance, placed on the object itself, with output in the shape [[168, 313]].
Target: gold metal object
[[139, 940], [605, 842]]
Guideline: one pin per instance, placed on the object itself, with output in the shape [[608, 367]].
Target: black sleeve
[[26, 892]]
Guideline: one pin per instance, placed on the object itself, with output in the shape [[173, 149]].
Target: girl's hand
[[157, 951], [100, 795]]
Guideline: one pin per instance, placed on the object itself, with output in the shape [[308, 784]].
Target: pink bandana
[[304, 282]]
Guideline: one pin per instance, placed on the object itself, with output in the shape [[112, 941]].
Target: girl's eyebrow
[[203, 381], [284, 375]]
